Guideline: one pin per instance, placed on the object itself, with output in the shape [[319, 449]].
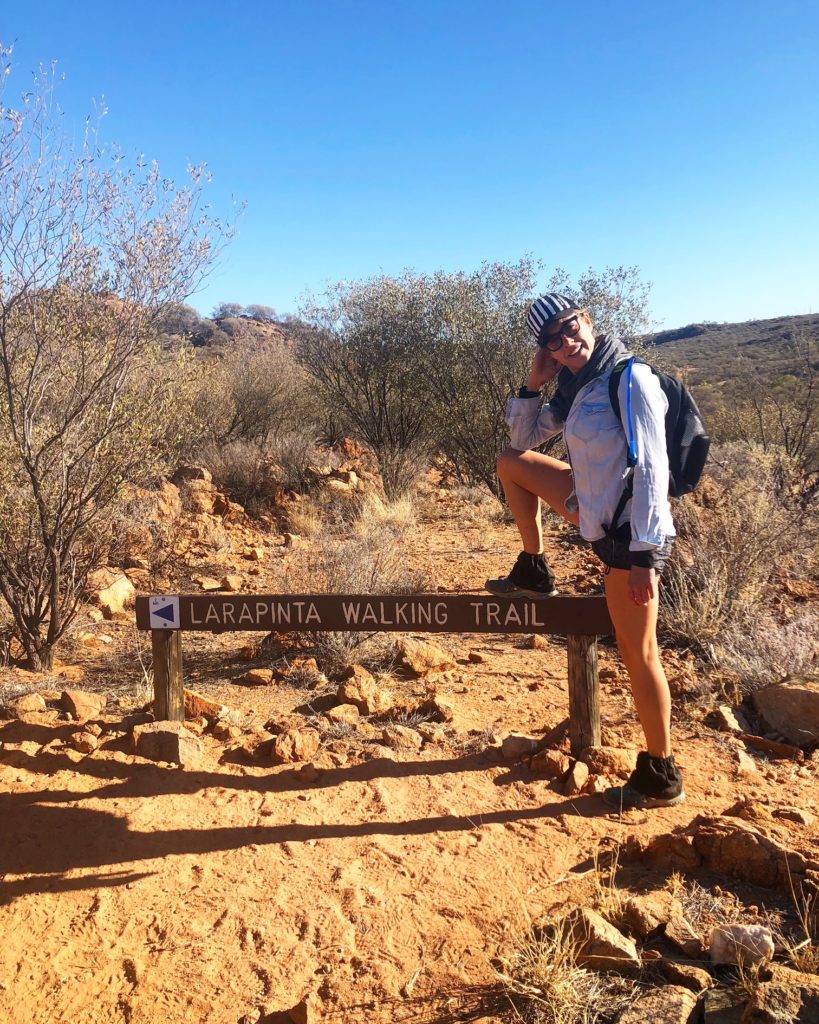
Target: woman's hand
[[642, 585], [544, 368]]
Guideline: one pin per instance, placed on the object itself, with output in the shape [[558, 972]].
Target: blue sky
[[367, 138]]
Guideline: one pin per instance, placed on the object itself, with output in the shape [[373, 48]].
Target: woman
[[589, 493]]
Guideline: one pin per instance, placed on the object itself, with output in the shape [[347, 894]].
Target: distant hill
[[716, 354]]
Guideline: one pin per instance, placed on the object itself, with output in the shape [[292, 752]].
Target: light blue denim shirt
[[598, 450]]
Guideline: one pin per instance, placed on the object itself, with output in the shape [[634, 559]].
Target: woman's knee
[[638, 649], [507, 460]]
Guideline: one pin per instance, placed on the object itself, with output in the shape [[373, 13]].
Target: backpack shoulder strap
[[626, 366]]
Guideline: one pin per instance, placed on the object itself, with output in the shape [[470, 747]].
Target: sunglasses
[[554, 341]]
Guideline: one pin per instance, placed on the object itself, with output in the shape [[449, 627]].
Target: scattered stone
[[256, 677], [114, 598], [797, 814], [362, 689], [366, 730], [167, 741], [431, 732], [597, 784], [647, 913], [208, 583], [600, 945], [578, 777], [233, 584], [197, 705], [197, 726], [309, 773], [609, 760], [792, 709], [301, 668], [744, 944], [400, 737], [477, 657], [200, 497], [694, 978], [671, 1004], [724, 1006], [423, 657], [438, 709], [82, 705], [226, 732], [84, 742], [749, 810], [296, 745], [746, 765], [682, 933], [27, 704], [348, 714], [255, 554], [538, 642], [787, 995], [608, 673], [515, 746], [291, 540], [728, 719], [552, 763]]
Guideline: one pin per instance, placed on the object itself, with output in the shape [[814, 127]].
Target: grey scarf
[[608, 351]]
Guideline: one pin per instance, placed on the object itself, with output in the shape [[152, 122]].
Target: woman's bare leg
[[526, 478], [636, 629]]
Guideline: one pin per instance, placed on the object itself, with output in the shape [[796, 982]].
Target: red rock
[[256, 677], [296, 745], [551, 763], [578, 777], [27, 704], [84, 742], [82, 705], [199, 706], [362, 689], [167, 741], [422, 657]]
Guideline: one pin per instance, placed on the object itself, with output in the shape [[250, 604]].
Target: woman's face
[[577, 338]]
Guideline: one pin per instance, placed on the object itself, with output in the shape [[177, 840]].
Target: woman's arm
[[649, 513], [530, 425]]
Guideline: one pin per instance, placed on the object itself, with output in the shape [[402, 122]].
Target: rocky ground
[[379, 847]]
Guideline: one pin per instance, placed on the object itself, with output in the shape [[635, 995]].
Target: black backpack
[[686, 440]]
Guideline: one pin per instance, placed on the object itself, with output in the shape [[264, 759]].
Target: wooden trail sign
[[581, 619]]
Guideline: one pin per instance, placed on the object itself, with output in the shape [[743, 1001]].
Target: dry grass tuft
[[365, 556], [702, 907], [544, 984], [609, 899]]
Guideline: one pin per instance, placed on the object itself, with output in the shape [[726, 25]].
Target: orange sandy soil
[[137, 892]]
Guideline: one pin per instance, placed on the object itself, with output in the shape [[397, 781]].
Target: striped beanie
[[546, 308]]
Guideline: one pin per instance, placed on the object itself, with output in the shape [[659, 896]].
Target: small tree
[[616, 298], [226, 310], [364, 345], [264, 313], [91, 256]]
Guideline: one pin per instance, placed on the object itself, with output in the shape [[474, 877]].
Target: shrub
[[91, 254], [255, 391], [732, 535]]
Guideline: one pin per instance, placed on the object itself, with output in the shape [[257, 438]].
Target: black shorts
[[614, 552]]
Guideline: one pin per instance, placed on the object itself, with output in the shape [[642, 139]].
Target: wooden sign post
[[580, 619]]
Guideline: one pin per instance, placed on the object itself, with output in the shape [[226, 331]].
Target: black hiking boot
[[655, 782], [531, 576]]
